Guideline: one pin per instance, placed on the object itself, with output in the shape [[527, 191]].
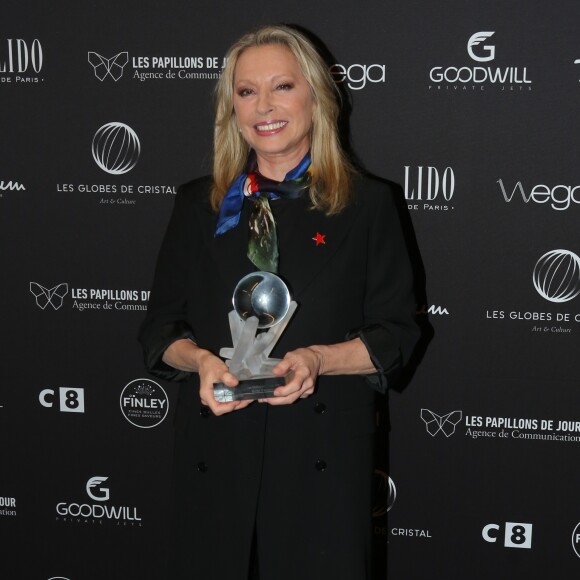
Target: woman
[[288, 477]]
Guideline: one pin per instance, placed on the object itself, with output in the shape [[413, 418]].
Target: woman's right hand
[[185, 355]]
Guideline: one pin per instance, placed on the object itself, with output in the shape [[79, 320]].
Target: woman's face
[[273, 103]]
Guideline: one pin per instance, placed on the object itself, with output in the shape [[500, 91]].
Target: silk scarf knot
[[252, 185]]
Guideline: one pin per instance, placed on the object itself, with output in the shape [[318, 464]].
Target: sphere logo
[[116, 148], [557, 276], [385, 494]]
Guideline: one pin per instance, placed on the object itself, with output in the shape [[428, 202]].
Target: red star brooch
[[319, 238]]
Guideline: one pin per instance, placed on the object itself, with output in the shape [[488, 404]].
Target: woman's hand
[[185, 355], [304, 366], [212, 369]]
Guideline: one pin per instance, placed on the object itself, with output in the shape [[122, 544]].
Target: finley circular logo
[[385, 494], [116, 148], [144, 403], [557, 276], [576, 539]]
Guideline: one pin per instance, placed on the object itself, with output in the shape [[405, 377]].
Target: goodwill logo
[[556, 278], [94, 491], [501, 428], [144, 403], [97, 513], [471, 78], [85, 299], [21, 61], [147, 68]]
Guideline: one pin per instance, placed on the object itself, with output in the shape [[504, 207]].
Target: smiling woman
[[274, 106], [282, 482]]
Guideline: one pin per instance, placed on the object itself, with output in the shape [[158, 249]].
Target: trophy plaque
[[262, 310]]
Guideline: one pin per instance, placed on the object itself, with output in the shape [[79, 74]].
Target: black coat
[[300, 475]]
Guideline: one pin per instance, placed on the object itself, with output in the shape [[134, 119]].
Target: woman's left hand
[[304, 366]]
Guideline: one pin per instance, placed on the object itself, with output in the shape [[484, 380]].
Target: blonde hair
[[331, 171]]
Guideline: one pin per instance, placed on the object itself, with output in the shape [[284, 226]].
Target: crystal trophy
[[262, 310]]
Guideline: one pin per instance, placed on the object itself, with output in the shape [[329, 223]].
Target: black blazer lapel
[[316, 238]]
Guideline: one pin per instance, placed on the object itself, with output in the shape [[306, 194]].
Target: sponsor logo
[[85, 299], [488, 50], [411, 533], [20, 61], [576, 540], [105, 67], [558, 197], [116, 148], [97, 513], [356, 76], [70, 400], [95, 484], [7, 506], [385, 494], [144, 403], [522, 428], [557, 276], [147, 68], [433, 187], [516, 535], [441, 423], [10, 186], [45, 296], [423, 310], [466, 78]]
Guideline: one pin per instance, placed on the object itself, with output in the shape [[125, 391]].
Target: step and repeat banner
[[471, 108]]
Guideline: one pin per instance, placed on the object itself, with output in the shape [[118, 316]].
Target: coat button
[[202, 466], [320, 408], [204, 411], [320, 465]]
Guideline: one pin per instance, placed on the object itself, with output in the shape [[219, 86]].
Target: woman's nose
[[264, 103]]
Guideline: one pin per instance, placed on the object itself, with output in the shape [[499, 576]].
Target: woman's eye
[[285, 87], [244, 92]]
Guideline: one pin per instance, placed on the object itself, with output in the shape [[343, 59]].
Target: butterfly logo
[[45, 296], [444, 423], [109, 66]]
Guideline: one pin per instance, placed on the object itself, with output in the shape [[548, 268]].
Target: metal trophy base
[[249, 389]]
